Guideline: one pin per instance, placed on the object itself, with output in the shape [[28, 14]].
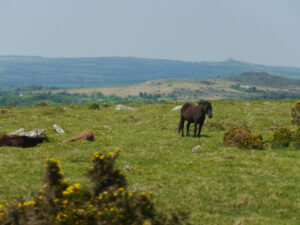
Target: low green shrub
[[42, 104], [295, 113], [281, 138], [242, 137], [296, 138], [108, 203], [94, 106]]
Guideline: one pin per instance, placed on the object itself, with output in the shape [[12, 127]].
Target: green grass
[[255, 187]]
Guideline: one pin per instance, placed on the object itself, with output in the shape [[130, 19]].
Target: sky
[[258, 31]]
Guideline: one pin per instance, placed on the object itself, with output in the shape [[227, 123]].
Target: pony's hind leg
[[188, 128], [195, 129], [181, 126]]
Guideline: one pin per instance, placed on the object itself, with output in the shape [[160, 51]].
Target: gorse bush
[[108, 203], [281, 138], [295, 113], [94, 106], [242, 137], [296, 138]]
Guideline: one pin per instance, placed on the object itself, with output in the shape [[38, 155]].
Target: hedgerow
[[108, 203]]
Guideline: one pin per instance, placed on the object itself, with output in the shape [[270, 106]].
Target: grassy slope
[[256, 187]]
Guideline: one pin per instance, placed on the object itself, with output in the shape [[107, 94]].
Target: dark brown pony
[[19, 141], [194, 114]]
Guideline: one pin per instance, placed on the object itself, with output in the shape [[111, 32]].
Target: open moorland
[[249, 85], [215, 185]]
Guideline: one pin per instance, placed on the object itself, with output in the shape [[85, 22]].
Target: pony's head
[[206, 105]]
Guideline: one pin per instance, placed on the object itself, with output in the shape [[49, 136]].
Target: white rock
[[266, 103], [107, 127], [37, 133], [20, 132], [123, 107], [58, 129], [127, 168], [247, 103], [196, 148], [177, 108]]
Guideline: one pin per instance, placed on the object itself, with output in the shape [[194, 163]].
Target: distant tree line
[[33, 94]]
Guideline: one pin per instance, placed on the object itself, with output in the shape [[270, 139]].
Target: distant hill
[[111, 71], [264, 79], [249, 85]]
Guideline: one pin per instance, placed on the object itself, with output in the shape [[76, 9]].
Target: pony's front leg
[[195, 130], [188, 128], [200, 128]]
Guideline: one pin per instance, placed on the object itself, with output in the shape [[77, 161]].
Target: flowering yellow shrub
[[281, 138], [296, 138], [108, 203], [242, 137], [295, 113]]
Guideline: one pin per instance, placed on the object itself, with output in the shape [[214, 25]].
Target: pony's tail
[[181, 125]]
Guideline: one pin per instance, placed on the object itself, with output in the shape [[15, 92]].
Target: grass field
[[255, 187]]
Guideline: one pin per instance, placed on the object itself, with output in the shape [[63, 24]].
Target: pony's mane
[[203, 102]]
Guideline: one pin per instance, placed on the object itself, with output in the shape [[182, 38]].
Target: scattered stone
[[20, 132], [230, 157], [127, 168], [123, 107], [107, 127], [177, 108], [196, 148], [83, 136], [35, 133], [266, 103], [58, 129], [247, 103]]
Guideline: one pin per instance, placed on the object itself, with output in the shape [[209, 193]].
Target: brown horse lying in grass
[[194, 114], [19, 141]]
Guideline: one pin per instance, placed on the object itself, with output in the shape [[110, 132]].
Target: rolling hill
[[112, 71], [248, 85], [264, 79]]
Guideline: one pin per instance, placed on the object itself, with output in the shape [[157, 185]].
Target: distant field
[[255, 187], [164, 86], [191, 89]]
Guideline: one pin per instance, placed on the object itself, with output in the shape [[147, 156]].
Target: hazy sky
[[259, 31]]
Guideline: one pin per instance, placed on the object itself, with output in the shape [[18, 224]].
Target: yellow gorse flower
[[121, 189], [29, 203], [52, 160], [118, 149], [71, 189]]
